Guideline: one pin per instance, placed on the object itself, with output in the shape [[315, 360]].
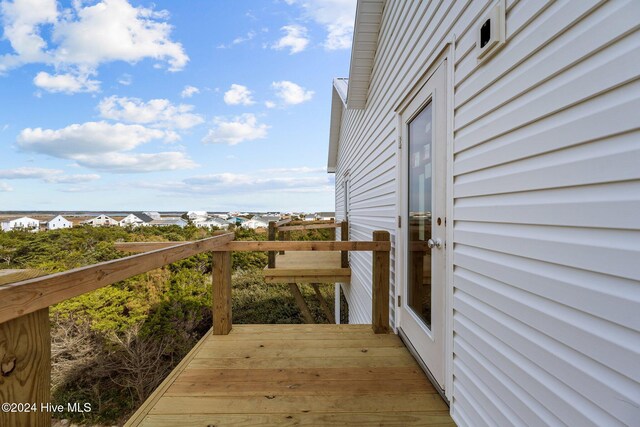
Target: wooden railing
[[25, 340], [283, 233]]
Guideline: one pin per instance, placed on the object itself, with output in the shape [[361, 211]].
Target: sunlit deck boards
[[308, 267], [296, 375]]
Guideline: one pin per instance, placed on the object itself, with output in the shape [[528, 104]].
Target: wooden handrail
[[251, 245], [138, 247], [309, 227], [262, 245], [25, 339], [283, 222], [20, 298]]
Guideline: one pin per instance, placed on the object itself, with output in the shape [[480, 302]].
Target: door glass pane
[[420, 189]]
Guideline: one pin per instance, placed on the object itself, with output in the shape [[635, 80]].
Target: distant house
[[213, 222], [59, 222], [101, 220], [236, 220], [269, 217], [196, 215], [310, 217], [255, 222], [221, 215], [326, 216], [24, 223], [136, 219], [168, 221], [153, 214]]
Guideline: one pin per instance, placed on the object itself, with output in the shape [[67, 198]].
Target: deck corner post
[[344, 236], [25, 368], [221, 294], [380, 285], [271, 236]]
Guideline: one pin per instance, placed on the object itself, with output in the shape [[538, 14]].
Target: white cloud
[[270, 104], [296, 170], [238, 95], [84, 37], [66, 83], [280, 181], [56, 176], [291, 93], [156, 112], [104, 146], [125, 79], [138, 163], [336, 16], [189, 91], [73, 179], [114, 30], [28, 173], [295, 39], [249, 36], [91, 138], [4, 187], [237, 130], [22, 21]]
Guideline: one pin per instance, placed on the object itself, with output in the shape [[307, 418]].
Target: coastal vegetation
[[112, 347]]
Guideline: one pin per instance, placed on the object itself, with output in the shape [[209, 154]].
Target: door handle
[[431, 243]]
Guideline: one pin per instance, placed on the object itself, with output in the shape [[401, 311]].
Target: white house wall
[[546, 290]]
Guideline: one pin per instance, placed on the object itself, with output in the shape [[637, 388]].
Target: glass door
[[423, 169]]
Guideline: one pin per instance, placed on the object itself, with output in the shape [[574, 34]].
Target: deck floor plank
[[331, 375]]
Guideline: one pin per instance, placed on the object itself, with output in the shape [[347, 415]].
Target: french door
[[423, 210]]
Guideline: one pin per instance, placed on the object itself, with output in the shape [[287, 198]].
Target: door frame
[[445, 57]]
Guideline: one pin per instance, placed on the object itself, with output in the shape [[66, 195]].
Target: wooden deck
[[312, 375], [308, 267]]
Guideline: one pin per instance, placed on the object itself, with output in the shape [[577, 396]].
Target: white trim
[[338, 104], [448, 274]]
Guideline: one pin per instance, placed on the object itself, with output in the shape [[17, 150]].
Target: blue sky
[[169, 105]]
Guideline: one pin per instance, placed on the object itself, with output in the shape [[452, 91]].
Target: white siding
[[546, 203]]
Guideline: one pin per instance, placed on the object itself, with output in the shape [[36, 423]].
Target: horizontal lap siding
[[546, 203], [547, 219], [412, 34]]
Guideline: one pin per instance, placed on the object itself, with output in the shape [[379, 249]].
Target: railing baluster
[[344, 236], [380, 284], [281, 237], [272, 236], [221, 294]]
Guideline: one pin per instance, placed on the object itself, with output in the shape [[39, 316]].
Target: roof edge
[[363, 51], [338, 104]]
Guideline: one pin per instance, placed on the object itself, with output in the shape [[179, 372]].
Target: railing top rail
[[269, 245], [309, 226], [309, 245], [283, 222], [27, 296]]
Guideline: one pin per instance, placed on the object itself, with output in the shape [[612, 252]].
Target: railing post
[[380, 285], [344, 236], [221, 294], [272, 236], [25, 368], [281, 237]]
